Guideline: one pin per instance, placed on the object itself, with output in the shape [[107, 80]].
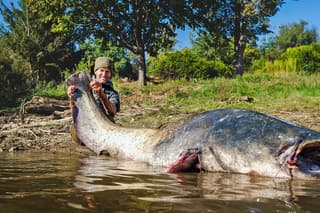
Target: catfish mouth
[[307, 158]]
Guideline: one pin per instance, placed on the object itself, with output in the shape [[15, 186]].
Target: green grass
[[174, 99], [282, 90], [52, 91], [270, 93]]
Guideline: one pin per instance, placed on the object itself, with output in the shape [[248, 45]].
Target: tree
[[213, 48], [239, 21], [48, 53], [142, 27], [14, 78], [294, 35]]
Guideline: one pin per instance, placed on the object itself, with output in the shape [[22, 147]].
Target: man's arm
[[108, 105]]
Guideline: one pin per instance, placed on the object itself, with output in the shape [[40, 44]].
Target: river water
[[34, 182]]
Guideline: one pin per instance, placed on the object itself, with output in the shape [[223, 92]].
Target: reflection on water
[[31, 182]]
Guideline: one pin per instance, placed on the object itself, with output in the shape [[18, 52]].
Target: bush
[[14, 84], [51, 90], [250, 57], [258, 66], [185, 64], [276, 66], [302, 59], [307, 58]]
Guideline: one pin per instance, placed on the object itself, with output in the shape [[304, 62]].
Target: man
[[102, 88], [105, 96]]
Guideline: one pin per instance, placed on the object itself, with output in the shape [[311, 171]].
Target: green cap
[[102, 62]]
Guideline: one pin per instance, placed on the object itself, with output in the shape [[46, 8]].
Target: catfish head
[[301, 159]]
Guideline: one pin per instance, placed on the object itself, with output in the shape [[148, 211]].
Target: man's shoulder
[[108, 86], [109, 83]]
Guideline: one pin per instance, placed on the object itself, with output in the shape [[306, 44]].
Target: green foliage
[[28, 33], [277, 66], [269, 50], [251, 54], [47, 40], [307, 58], [138, 26], [51, 90], [258, 66], [94, 48], [213, 47], [185, 64], [291, 35], [295, 34], [14, 81], [237, 21], [302, 59]]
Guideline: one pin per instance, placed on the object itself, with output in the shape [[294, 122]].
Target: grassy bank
[[286, 95], [169, 101]]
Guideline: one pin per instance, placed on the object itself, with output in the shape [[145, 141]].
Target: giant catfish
[[222, 140]]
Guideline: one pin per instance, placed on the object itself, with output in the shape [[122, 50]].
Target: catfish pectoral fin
[[188, 162]]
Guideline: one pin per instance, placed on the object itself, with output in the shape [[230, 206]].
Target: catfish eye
[[298, 139]]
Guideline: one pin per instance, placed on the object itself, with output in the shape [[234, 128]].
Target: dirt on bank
[[37, 132], [44, 126]]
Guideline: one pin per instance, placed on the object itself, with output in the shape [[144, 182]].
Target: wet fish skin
[[237, 140]]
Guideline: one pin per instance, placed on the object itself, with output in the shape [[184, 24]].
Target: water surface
[[34, 182]]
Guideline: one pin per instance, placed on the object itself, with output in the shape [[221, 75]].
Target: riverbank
[[37, 132], [50, 133], [45, 123]]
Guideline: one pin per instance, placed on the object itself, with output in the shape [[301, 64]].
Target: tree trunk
[[142, 69], [239, 39], [240, 46]]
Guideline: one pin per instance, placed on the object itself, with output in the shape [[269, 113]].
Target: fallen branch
[[42, 106], [36, 124], [18, 131]]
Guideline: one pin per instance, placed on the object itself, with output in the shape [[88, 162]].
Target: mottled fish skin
[[237, 140], [230, 140]]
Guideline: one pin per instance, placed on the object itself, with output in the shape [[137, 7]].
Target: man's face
[[103, 75]]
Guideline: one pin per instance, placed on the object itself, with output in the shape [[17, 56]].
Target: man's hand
[[71, 90], [96, 86]]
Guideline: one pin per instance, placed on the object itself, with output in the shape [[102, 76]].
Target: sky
[[291, 11]]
